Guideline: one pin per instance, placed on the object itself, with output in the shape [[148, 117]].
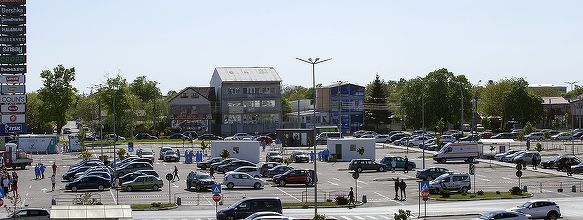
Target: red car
[[299, 176], [267, 139], [486, 135]]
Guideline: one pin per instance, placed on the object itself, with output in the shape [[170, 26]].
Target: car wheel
[[429, 178], [100, 187], [564, 169], [381, 169], [71, 179], [203, 167], [74, 188], [469, 160], [443, 160], [266, 173], [187, 185], [198, 188], [230, 217], [155, 187], [282, 183], [576, 171], [230, 185], [129, 188], [464, 190], [257, 185], [359, 169], [410, 167], [552, 216]]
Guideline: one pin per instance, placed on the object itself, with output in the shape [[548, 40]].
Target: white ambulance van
[[467, 151]]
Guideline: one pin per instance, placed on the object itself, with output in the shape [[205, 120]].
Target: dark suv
[[245, 207], [140, 136], [264, 168], [273, 156], [199, 181], [366, 164], [561, 163], [301, 176]]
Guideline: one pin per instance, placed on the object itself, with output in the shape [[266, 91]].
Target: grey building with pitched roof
[[249, 99], [193, 109]]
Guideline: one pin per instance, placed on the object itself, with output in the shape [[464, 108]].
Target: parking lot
[[334, 180]]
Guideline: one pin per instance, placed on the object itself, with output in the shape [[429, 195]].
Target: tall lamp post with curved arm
[[314, 62]]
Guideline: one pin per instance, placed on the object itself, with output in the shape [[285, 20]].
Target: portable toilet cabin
[[242, 150], [346, 149]]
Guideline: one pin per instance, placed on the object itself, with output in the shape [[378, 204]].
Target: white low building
[[242, 150], [346, 149]]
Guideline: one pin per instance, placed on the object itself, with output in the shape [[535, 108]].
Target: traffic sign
[[424, 185], [518, 166], [425, 194], [1, 202], [130, 147], [216, 189], [519, 173], [472, 169], [169, 176], [355, 175], [217, 197]]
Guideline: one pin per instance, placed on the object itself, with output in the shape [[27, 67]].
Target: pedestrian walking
[[312, 156], [54, 168], [212, 172], [406, 170], [402, 186], [5, 185], [351, 197], [263, 144], [178, 153], [394, 164], [527, 144], [175, 174], [14, 184], [53, 181], [396, 188], [42, 170]]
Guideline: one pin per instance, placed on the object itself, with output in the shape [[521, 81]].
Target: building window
[[233, 91], [194, 95], [184, 95], [353, 147], [268, 103]]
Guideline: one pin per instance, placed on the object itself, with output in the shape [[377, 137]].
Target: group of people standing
[[190, 155], [9, 182]]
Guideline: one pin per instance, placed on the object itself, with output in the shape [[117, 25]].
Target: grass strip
[[150, 206], [476, 196], [311, 204], [540, 176]]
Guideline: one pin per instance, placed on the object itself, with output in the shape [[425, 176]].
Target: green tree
[[57, 94], [546, 91], [121, 153], [577, 91], [492, 99], [376, 110], [360, 151], [522, 105], [539, 147], [85, 108], [285, 108], [85, 155], [528, 128], [402, 214], [225, 154], [440, 127], [486, 123], [35, 121], [117, 85], [556, 123], [287, 161], [145, 89]]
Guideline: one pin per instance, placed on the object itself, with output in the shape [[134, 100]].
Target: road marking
[[344, 217], [174, 185], [113, 197], [288, 194], [336, 179], [371, 217], [506, 178], [336, 184], [358, 217], [362, 182], [487, 180], [209, 201], [385, 217]]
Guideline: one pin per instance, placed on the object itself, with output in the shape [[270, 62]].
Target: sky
[[178, 43]]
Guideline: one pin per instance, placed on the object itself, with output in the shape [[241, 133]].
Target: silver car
[[539, 209]]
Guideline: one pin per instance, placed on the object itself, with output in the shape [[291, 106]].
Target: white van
[[324, 136], [467, 151]]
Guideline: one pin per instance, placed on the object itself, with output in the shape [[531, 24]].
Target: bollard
[[524, 188], [363, 198], [53, 201], [574, 189], [178, 201]]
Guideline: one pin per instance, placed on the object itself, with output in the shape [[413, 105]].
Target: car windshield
[[273, 153], [526, 204], [300, 153], [488, 215], [147, 152], [287, 172], [205, 176]]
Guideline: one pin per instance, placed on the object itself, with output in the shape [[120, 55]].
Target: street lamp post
[[115, 151], [314, 62], [572, 127], [422, 118]]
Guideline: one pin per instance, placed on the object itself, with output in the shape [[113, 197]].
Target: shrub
[[497, 192], [402, 215], [444, 193], [319, 217], [464, 194], [341, 200], [515, 190], [472, 196], [156, 204], [481, 192]]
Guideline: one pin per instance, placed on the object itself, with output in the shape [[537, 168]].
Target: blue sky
[[178, 43]]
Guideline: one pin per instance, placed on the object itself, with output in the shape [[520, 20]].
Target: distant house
[[192, 109], [557, 108], [577, 106]]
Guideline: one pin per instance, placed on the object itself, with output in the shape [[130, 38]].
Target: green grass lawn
[[486, 195], [149, 206], [310, 204]]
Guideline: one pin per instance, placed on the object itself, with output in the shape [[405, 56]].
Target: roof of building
[[206, 92], [546, 85], [248, 74], [555, 101], [340, 84]]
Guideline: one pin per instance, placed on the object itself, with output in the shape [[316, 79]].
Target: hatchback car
[[89, 182], [216, 165], [503, 214], [360, 165], [535, 136], [451, 181], [279, 169], [273, 156], [549, 163], [162, 151], [431, 173], [300, 156], [299, 176], [577, 169], [199, 181], [251, 170], [143, 182], [539, 209], [236, 179], [561, 163], [562, 136], [500, 156], [207, 164], [170, 156], [400, 162], [264, 168], [29, 213]]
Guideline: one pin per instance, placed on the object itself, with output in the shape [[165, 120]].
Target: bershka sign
[[10, 99], [13, 10], [14, 79], [11, 20], [13, 108], [12, 2], [13, 49], [14, 128], [13, 69], [13, 89], [13, 118], [13, 40]]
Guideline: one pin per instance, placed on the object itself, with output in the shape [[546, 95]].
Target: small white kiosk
[[243, 150], [345, 149]]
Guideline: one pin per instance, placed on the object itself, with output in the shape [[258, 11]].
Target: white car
[[539, 209], [253, 171], [535, 136], [447, 138], [382, 138], [562, 136], [418, 140], [233, 179], [505, 215]]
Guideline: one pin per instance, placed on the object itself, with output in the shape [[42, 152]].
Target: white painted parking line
[[344, 217], [365, 183], [487, 180], [506, 178], [336, 184], [385, 217], [288, 194], [371, 217], [358, 217], [336, 179]]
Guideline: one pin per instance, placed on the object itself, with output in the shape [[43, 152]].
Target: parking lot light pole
[[422, 117], [314, 62], [572, 125]]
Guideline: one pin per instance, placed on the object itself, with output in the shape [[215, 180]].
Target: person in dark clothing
[[212, 172], [396, 188], [351, 197], [403, 185], [406, 170], [568, 166]]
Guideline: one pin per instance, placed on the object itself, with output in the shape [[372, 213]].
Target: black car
[[549, 163], [471, 137], [209, 137], [70, 175], [366, 164], [29, 213], [207, 164], [431, 173], [561, 163], [191, 134], [170, 156], [234, 165], [504, 135], [264, 168], [141, 136], [397, 136], [179, 136], [89, 182], [216, 165], [273, 156], [279, 169], [129, 177], [199, 181], [300, 156]]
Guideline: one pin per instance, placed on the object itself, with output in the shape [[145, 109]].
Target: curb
[[309, 207], [493, 198], [168, 208], [452, 215]]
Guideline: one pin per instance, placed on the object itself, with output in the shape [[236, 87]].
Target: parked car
[[298, 176], [419, 140], [115, 137], [67, 131], [360, 165], [504, 215], [401, 141], [577, 135], [504, 135], [535, 136], [549, 163], [561, 163], [143, 182], [273, 156], [89, 182], [147, 154], [216, 165], [502, 155], [264, 168], [452, 182], [431, 173], [251, 170], [209, 137], [258, 215], [132, 167], [471, 137], [170, 156], [267, 139], [70, 175], [447, 138], [279, 169], [190, 134], [91, 162], [162, 151], [527, 157], [178, 136], [105, 175], [148, 172], [117, 162], [29, 213], [141, 136], [234, 165], [207, 164], [300, 156], [562, 136], [240, 136], [129, 177], [382, 138], [199, 181], [233, 179], [577, 169], [486, 135], [400, 162], [95, 169], [509, 157], [397, 136], [245, 207], [539, 209], [324, 136]]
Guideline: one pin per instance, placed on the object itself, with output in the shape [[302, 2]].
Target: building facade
[[344, 103], [193, 109], [249, 99]]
